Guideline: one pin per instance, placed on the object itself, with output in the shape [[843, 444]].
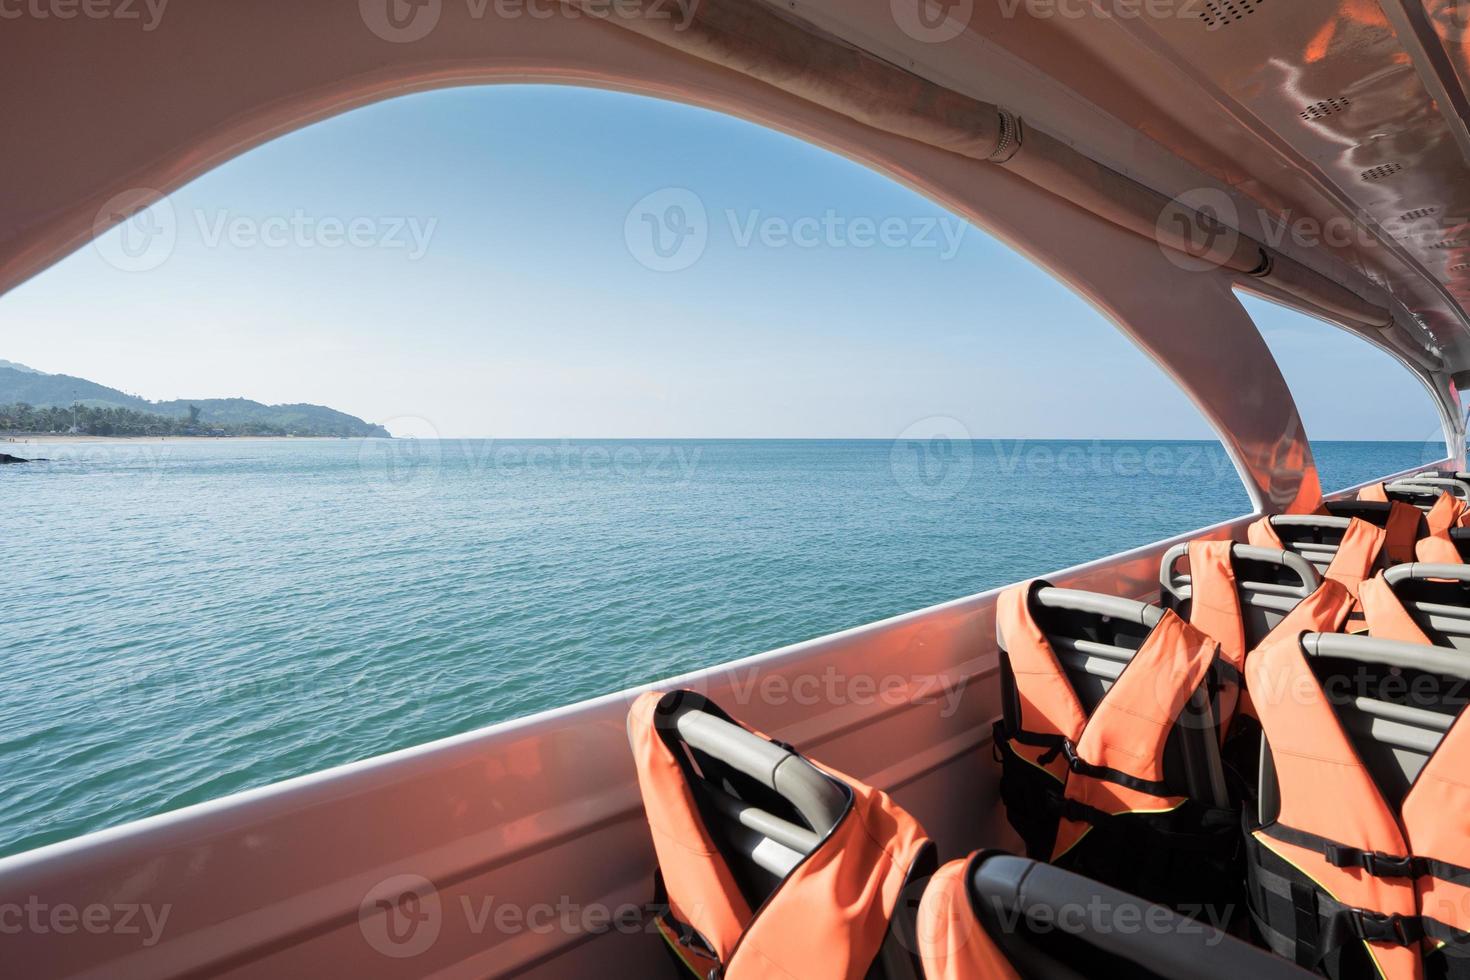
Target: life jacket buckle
[[689, 937], [1376, 863], [1074, 761], [1381, 865], [1374, 927]]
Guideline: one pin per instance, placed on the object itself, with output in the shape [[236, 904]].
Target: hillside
[[20, 385]]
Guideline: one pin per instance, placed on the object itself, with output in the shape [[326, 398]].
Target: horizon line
[[1154, 439]]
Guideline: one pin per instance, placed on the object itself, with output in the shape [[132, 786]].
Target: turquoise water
[[187, 620]]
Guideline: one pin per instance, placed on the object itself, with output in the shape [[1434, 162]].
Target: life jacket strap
[[1002, 732], [1319, 925], [690, 949], [1054, 803], [1082, 767], [1441, 933], [1375, 927], [1376, 863], [1060, 745]]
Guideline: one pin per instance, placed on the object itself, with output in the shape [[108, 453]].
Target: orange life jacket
[[1448, 511], [953, 944], [1069, 778], [1399, 532], [1438, 546], [1375, 492], [1338, 871], [826, 921], [1402, 526], [1402, 530], [1386, 617], [1214, 606]]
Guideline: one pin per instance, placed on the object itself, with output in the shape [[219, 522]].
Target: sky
[[535, 261]]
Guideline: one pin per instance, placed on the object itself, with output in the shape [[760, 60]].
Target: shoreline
[[36, 439]]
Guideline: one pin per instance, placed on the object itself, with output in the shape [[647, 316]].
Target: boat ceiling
[[1338, 129], [1332, 132]]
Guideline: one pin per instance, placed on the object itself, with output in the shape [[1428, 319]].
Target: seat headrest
[[817, 797], [1305, 574], [1008, 890], [1417, 571], [1360, 648], [1454, 485]]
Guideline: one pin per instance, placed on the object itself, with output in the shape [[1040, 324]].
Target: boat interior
[[1159, 159]]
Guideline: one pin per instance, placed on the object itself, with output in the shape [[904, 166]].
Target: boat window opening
[[1365, 414], [654, 410]]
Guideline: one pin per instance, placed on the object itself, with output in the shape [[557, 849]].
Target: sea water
[[188, 619]]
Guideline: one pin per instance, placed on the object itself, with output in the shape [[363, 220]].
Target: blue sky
[[502, 281]]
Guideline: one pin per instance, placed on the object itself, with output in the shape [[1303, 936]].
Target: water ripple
[[193, 619]]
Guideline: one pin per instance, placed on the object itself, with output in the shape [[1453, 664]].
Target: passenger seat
[[1423, 495], [1271, 582], [767, 864], [1318, 537], [1453, 485], [1240, 595], [994, 916], [1420, 603], [1360, 841], [1109, 746]]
